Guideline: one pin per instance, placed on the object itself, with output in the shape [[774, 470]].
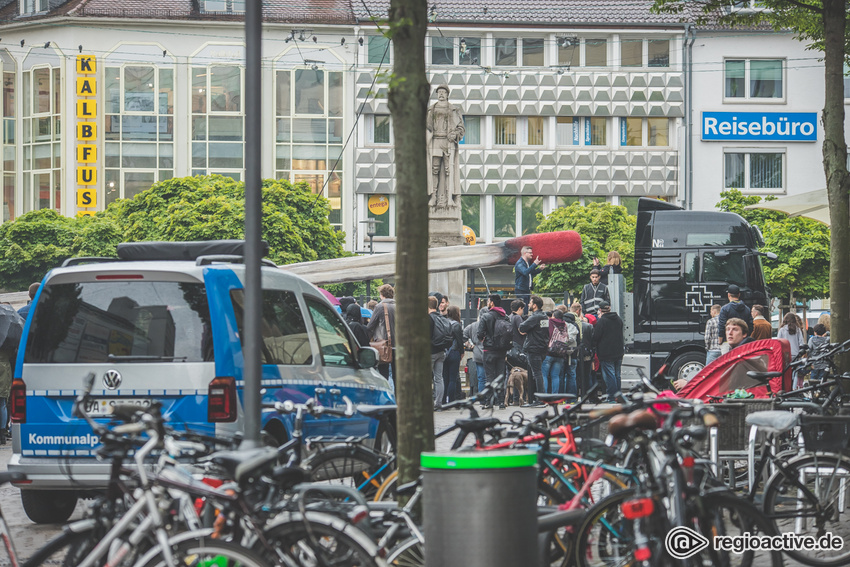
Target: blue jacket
[[524, 272]]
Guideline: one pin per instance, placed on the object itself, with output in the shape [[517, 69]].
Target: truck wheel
[[687, 365], [48, 506]]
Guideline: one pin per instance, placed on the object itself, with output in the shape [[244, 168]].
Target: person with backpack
[[536, 331], [570, 384], [610, 346], [451, 366], [494, 330], [554, 362], [441, 339]]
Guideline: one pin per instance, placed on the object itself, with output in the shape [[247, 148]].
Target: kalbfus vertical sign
[[86, 135]]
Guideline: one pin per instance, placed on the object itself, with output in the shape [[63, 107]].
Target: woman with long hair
[[791, 331], [451, 366], [612, 266]]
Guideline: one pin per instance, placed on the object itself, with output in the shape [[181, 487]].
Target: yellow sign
[[85, 213], [86, 108], [87, 153], [86, 131], [86, 198], [379, 204], [86, 176], [469, 235], [86, 86], [86, 65]]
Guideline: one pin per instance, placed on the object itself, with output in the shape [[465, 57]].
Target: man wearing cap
[[444, 130], [735, 308], [610, 346]]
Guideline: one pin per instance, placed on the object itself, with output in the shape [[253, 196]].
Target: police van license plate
[[100, 407]]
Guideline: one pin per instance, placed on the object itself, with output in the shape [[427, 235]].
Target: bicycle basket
[[826, 434]]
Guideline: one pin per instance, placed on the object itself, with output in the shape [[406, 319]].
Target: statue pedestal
[[446, 229]]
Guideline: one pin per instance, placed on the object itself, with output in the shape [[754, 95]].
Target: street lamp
[[371, 231]]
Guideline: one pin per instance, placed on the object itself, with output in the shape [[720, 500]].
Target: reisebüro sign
[[760, 126]]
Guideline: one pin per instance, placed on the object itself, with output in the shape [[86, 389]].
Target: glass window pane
[[334, 340], [41, 91], [535, 130], [472, 134], [631, 204], [57, 92], [199, 90], [166, 91], [633, 131], [138, 89], [282, 82], [658, 130], [137, 181], [566, 200], [41, 156], [442, 50], [596, 53], [596, 135], [284, 332], [766, 171], [734, 170], [567, 130], [138, 155], [631, 52], [166, 156], [112, 90], [504, 212], [506, 53], [659, 52], [470, 206], [225, 89], [284, 130], [309, 91], [310, 158], [8, 197], [112, 153], [309, 130], [532, 52], [25, 98], [766, 79], [379, 52], [530, 207], [282, 160], [225, 128], [199, 127], [469, 50], [505, 130], [138, 127], [382, 221], [335, 94], [846, 80], [569, 52], [382, 129], [227, 156], [9, 95], [735, 78], [199, 155], [335, 132], [588, 200]]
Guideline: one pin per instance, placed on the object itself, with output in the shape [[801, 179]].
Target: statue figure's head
[[442, 92]]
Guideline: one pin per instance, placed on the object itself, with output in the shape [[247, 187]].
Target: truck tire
[[48, 506], [685, 366]]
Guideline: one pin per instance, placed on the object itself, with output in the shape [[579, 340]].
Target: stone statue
[[444, 125]]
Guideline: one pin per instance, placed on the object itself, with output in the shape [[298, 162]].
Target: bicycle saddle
[[239, 464], [375, 411], [755, 375], [473, 425], [773, 421], [554, 399], [620, 425]]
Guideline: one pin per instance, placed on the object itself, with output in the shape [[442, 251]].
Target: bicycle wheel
[[350, 465], [66, 549], [320, 539], [205, 551], [827, 477], [387, 489], [605, 538], [408, 553]]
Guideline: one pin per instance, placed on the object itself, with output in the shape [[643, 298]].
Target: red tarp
[[729, 372]]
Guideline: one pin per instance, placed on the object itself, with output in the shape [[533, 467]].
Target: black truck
[[684, 261]]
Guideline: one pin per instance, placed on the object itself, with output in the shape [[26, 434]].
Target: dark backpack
[[442, 336], [503, 333], [561, 344]]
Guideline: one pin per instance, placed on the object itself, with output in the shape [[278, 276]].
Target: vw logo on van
[[112, 379]]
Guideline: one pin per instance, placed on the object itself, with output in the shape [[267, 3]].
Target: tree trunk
[[408, 101], [837, 178]]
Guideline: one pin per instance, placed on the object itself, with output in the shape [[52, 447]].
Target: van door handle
[[320, 391], [335, 391]]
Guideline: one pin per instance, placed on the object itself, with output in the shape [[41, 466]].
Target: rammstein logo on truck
[[87, 439]]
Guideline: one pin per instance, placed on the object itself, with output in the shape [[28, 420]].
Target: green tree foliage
[[295, 223], [603, 227], [801, 269]]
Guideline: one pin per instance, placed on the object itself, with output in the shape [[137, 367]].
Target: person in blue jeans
[[610, 346], [553, 365], [570, 385], [451, 366], [470, 333]]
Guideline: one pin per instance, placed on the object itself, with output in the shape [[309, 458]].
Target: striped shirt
[[712, 340]]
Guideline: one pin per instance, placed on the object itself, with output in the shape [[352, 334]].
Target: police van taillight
[[18, 401], [221, 402]]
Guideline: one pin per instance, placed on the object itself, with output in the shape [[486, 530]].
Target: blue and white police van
[[163, 322]]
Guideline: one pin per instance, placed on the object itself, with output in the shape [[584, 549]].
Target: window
[[217, 121], [631, 52], [569, 51], [658, 131], [472, 126], [595, 53], [381, 129], [469, 50], [505, 130], [34, 6], [567, 200], [506, 52], [595, 131], [309, 132], [589, 200], [568, 130], [470, 211], [139, 128], [644, 132], [42, 134], [535, 130], [846, 80], [631, 204], [442, 50], [378, 52], [659, 52], [382, 224], [631, 133], [532, 52], [753, 78], [753, 171], [226, 6], [284, 332], [504, 217], [530, 207], [10, 84], [335, 343]]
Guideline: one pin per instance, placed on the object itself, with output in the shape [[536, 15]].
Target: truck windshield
[[134, 321]]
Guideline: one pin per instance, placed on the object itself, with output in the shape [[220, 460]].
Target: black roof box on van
[[188, 251]]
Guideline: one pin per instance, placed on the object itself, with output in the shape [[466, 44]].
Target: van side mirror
[[367, 357]]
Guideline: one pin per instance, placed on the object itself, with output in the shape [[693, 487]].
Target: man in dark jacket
[[536, 331], [610, 347], [378, 330], [354, 318], [525, 270], [494, 354], [735, 308], [593, 293], [438, 356], [517, 311]]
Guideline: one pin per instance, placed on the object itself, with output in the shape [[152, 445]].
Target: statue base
[[446, 229]]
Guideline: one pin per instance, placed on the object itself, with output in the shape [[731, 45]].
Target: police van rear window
[[121, 321]]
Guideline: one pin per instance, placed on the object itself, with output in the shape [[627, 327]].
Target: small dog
[[517, 386]]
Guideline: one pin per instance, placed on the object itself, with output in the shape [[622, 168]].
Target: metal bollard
[[480, 509]]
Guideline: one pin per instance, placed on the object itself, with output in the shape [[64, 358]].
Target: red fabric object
[[729, 372], [590, 318], [551, 247]]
